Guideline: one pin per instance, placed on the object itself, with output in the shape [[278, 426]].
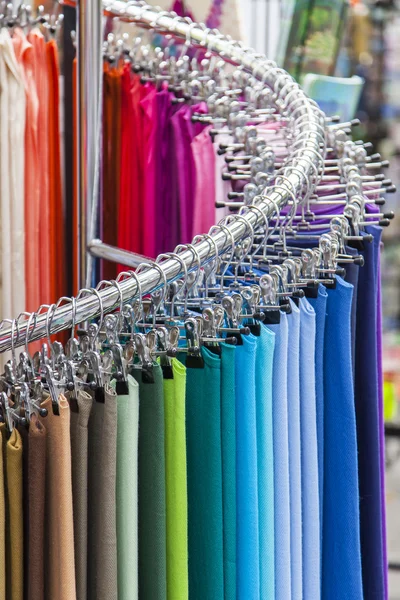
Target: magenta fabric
[[204, 198], [184, 130], [149, 114], [166, 176]]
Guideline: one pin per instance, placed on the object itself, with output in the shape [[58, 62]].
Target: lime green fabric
[[127, 491], [176, 483]]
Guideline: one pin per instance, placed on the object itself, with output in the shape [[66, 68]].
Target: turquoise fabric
[[265, 461], [204, 468], [248, 572], [228, 441]]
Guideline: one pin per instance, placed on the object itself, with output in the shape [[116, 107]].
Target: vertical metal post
[[89, 74]]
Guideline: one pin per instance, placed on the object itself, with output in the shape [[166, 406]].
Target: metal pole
[[89, 66]]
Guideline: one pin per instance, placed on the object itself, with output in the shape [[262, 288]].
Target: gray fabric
[[79, 455], [102, 531]]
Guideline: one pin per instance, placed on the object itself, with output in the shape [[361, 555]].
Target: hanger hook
[[49, 320]]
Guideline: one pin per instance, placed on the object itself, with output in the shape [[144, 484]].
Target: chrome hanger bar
[[308, 122]]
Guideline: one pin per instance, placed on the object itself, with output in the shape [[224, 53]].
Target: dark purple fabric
[[167, 213], [368, 429]]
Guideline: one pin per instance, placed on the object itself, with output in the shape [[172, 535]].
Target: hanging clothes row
[[155, 192], [233, 471], [32, 243], [219, 434]]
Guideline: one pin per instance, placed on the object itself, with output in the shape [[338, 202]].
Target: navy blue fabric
[[367, 414], [341, 560]]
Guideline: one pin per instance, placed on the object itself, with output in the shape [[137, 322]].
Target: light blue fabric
[[293, 392], [319, 305], [248, 576], [265, 461], [309, 455], [228, 446], [281, 461], [341, 559]]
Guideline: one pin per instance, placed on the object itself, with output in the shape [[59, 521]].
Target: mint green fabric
[[152, 517], [176, 483], [127, 491]]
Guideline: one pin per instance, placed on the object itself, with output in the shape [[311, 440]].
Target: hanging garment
[[265, 461], [341, 558], [176, 483], [167, 211], [204, 199], [380, 405], [127, 490], [42, 82], [138, 166], [79, 421], [111, 159], [203, 439], [152, 510], [26, 58], [149, 117], [352, 272], [248, 569], [102, 532], [56, 210], [13, 495], [59, 534], [228, 455], [24, 434], [319, 305], [281, 461], [184, 130], [309, 454], [126, 212], [35, 573], [368, 428], [12, 192], [293, 408]]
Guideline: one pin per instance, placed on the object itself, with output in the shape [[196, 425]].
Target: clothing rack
[[309, 127]]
